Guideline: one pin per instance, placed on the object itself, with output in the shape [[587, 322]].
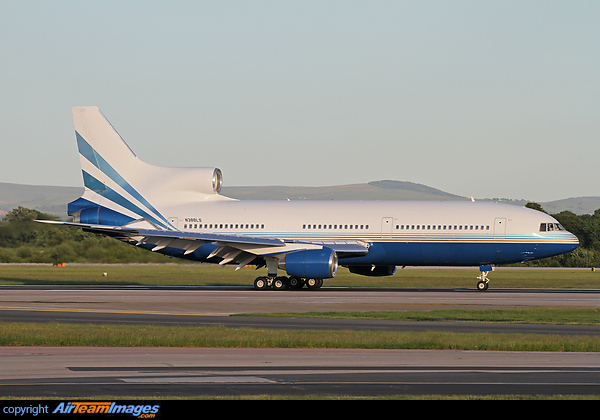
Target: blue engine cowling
[[373, 271], [103, 216], [312, 263]]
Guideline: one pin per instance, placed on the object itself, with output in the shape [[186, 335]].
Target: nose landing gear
[[483, 282]]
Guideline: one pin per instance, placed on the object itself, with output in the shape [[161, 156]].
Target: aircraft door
[[386, 227], [500, 227]]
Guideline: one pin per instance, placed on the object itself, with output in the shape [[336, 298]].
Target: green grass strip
[[59, 334], [557, 316]]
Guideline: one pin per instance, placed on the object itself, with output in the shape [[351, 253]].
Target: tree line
[[587, 229], [24, 241]]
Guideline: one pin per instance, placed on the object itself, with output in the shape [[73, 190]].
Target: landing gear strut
[[281, 283], [483, 282]]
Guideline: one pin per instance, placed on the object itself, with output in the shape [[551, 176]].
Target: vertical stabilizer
[[120, 188]]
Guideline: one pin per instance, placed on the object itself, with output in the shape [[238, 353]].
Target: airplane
[[179, 212]]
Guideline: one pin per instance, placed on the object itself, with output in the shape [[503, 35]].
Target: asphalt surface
[[89, 372], [160, 372]]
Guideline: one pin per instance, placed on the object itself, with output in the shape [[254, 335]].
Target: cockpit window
[[550, 227]]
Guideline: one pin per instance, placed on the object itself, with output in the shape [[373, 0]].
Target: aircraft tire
[[280, 283], [295, 283], [482, 285], [314, 284], [261, 283]]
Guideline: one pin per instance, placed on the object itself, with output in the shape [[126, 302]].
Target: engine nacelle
[[373, 271], [312, 263], [201, 180]]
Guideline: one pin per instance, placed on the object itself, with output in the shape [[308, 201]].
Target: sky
[[479, 98]]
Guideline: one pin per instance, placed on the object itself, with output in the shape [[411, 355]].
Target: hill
[[47, 199], [376, 190], [53, 200]]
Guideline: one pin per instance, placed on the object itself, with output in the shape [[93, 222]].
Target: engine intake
[[312, 263]]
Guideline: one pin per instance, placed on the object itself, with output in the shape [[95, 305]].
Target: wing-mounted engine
[[312, 263]]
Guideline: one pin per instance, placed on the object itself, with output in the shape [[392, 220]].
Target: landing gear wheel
[[295, 283], [261, 283], [313, 284], [280, 283], [483, 283]]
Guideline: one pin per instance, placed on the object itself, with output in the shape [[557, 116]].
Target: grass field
[[210, 275], [58, 334]]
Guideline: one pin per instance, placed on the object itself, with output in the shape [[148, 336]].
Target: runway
[[205, 306], [198, 300], [160, 372], [87, 372]]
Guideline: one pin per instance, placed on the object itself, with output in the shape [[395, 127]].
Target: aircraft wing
[[230, 248]]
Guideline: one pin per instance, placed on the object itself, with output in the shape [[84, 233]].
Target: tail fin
[[120, 188]]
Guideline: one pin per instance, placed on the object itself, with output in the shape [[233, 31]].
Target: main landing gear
[[281, 283], [483, 282]]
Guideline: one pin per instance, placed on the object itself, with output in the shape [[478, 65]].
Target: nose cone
[[567, 242], [573, 240]]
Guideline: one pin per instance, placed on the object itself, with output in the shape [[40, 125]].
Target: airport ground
[[83, 295]]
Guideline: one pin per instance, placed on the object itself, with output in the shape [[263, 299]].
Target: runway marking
[[91, 311], [200, 380]]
